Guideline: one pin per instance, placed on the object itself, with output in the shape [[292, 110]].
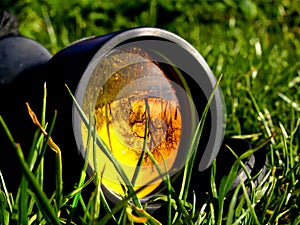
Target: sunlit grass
[[256, 49], [244, 200]]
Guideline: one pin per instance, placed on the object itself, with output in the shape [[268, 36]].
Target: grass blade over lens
[[107, 152]]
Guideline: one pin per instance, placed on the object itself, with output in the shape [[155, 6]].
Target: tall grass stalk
[[106, 150], [40, 195]]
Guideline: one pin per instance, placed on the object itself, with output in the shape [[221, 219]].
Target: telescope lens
[[147, 89], [138, 108]]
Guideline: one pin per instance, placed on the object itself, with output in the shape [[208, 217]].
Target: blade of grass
[[240, 219], [4, 205], [25, 202], [188, 169], [244, 169], [179, 202], [269, 194], [232, 205], [82, 175], [260, 114], [169, 191], [56, 149], [44, 218], [281, 215], [144, 216], [98, 176], [279, 205], [225, 186], [7, 197], [122, 218], [250, 205], [141, 159], [227, 180], [77, 190], [124, 202], [107, 152], [23, 207], [42, 146], [194, 145], [50, 29], [212, 217], [202, 214], [213, 185], [133, 218], [239, 209], [120, 205], [297, 221], [42, 198], [43, 116], [96, 206], [194, 204]]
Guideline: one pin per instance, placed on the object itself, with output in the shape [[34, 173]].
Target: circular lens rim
[[217, 106]]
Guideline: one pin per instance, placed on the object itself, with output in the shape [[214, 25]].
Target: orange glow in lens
[[136, 108]]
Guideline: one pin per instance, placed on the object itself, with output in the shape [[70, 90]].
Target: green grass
[[254, 45]]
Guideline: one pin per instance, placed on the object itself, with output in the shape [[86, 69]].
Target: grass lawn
[[254, 45]]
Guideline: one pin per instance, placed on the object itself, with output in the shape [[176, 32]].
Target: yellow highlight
[[162, 139], [136, 108]]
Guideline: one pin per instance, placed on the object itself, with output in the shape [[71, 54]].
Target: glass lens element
[[138, 113]]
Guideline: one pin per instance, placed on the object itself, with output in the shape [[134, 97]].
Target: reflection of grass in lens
[[126, 132], [121, 121]]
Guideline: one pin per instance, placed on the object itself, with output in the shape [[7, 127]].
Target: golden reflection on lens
[[137, 108], [128, 131]]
